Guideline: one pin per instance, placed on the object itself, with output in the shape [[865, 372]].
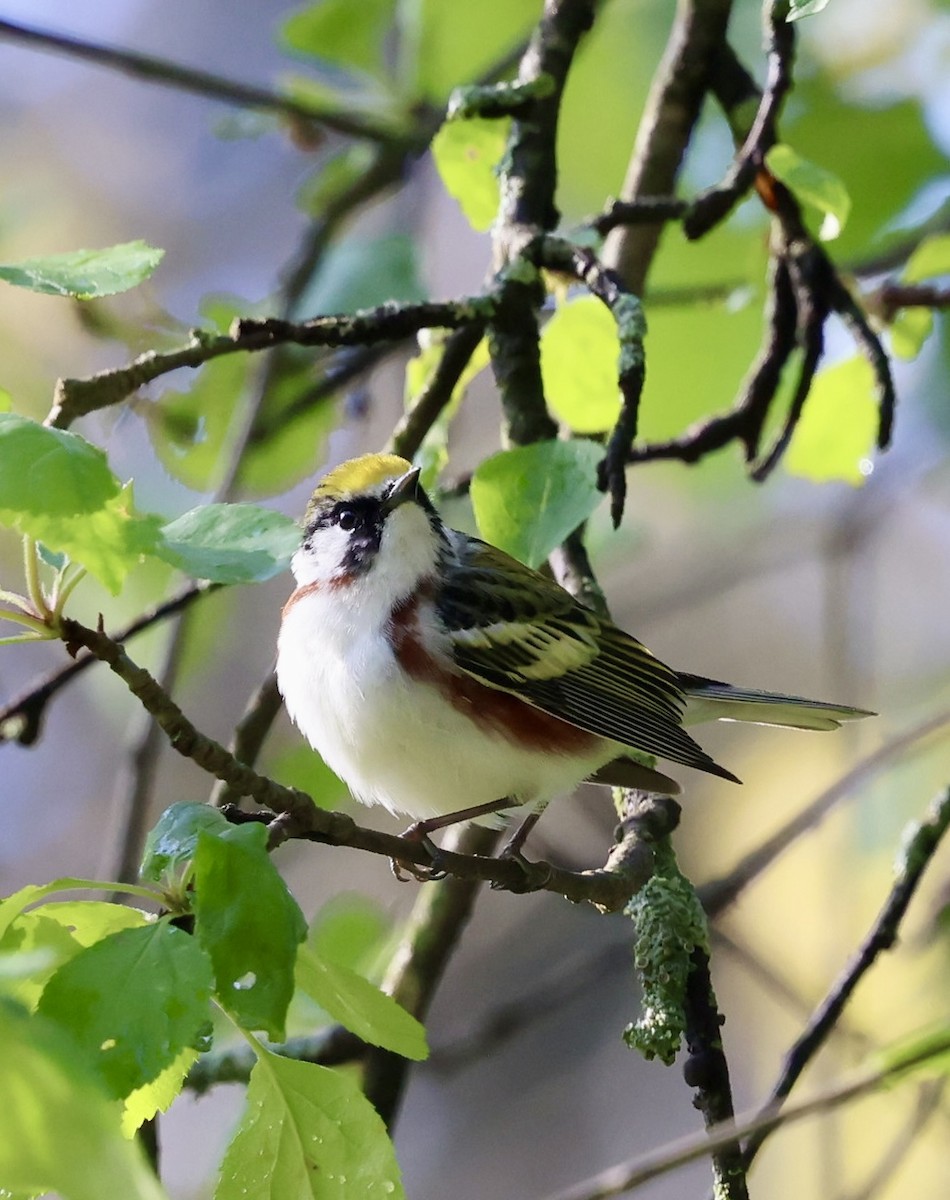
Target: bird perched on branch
[[446, 681]]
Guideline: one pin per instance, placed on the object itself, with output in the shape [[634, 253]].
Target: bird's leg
[[419, 831], [513, 847]]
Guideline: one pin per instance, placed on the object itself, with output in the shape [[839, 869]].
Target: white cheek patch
[[323, 559]]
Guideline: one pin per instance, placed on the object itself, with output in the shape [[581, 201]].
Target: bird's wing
[[514, 630]]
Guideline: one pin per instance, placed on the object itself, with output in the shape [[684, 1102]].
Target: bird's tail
[[710, 700]]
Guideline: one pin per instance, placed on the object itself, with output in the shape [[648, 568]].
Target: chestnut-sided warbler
[[443, 679]]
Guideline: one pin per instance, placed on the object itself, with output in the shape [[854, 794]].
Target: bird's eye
[[347, 518]]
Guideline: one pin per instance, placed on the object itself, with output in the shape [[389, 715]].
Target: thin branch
[[250, 734], [677, 91], [389, 322], [647, 210], [629, 1175], [714, 205], [921, 842], [21, 720], [719, 894], [411, 430], [201, 83]]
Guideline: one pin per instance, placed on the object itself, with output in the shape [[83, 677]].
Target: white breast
[[396, 741]]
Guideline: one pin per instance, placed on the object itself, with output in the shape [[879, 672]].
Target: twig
[[250, 734], [21, 720], [411, 430], [627, 311], [628, 1175], [676, 96], [201, 83], [389, 322], [718, 894], [921, 841], [643, 211], [929, 1096], [714, 205]]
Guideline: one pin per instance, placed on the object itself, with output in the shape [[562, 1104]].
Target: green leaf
[[529, 499], [49, 472], [230, 543], [132, 1002], [348, 931], [908, 331], [805, 8], [334, 177], [930, 258], [57, 932], [157, 1096], [33, 948], [444, 43], [57, 488], [302, 768], [360, 1006], [328, 30], [308, 1133], [467, 154], [85, 274], [59, 1130], [580, 354], [249, 924], [171, 844], [89, 921], [834, 440], [813, 185], [356, 273], [926, 1052]]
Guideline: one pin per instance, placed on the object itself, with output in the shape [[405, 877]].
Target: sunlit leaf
[[444, 44], [930, 258], [230, 543], [327, 30], [84, 274], [158, 1095], [57, 487], [349, 930], [359, 273], [309, 1133], [805, 8], [813, 185], [132, 1002], [360, 1006], [908, 331], [527, 500], [60, 1131], [466, 155], [834, 440], [580, 354]]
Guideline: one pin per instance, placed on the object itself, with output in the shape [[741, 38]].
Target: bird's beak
[[404, 489]]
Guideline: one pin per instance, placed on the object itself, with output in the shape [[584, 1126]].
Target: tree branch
[[920, 843], [200, 83]]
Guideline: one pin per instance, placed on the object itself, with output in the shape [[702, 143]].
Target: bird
[[446, 681]]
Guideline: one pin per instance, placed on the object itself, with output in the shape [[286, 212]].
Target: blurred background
[[820, 589]]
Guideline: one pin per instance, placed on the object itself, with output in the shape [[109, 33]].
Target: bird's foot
[[403, 869]]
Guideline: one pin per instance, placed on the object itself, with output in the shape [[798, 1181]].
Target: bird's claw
[[404, 870], [536, 874]]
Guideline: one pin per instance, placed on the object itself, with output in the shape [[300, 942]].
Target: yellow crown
[[357, 476]]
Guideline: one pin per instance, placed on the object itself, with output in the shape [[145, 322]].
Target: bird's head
[[368, 519]]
